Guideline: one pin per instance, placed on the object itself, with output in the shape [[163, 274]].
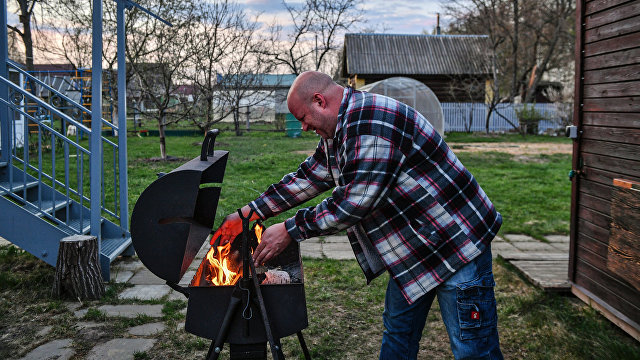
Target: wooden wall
[[607, 113]]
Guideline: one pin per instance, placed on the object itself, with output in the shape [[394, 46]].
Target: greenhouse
[[413, 93]]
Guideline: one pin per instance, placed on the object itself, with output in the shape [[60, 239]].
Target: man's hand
[[231, 226], [274, 240]]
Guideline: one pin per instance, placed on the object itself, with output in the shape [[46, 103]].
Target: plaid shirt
[[409, 204]]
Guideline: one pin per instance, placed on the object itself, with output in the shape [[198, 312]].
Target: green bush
[[529, 118]]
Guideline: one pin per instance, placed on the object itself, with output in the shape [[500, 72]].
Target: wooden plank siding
[[606, 114]]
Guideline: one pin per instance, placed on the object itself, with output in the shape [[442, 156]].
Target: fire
[[224, 266]]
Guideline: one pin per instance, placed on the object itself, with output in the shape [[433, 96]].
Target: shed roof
[[398, 54]]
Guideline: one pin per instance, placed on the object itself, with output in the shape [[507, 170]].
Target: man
[[408, 204]]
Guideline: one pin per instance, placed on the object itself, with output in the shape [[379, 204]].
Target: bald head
[[314, 99]]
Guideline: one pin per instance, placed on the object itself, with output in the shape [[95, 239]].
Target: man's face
[[315, 117]]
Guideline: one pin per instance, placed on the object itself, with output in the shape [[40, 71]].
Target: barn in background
[[604, 265], [457, 68]]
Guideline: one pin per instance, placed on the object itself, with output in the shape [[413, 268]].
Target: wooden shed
[[604, 262], [454, 67]]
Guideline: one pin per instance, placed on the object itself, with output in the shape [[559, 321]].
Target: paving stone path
[[544, 263]]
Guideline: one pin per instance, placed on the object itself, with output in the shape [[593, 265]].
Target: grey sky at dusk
[[395, 16]]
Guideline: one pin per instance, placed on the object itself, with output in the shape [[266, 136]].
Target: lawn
[[532, 193]]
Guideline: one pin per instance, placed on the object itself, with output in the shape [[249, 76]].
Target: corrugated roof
[[417, 54]]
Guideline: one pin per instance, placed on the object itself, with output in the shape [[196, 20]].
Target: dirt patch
[[519, 149]]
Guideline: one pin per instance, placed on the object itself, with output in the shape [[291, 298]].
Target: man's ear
[[320, 100]]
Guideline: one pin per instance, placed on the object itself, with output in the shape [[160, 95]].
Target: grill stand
[[243, 295]]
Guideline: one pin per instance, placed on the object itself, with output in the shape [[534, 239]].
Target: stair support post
[[5, 123], [122, 118], [96, 122]]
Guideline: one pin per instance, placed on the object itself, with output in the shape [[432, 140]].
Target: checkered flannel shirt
[[398, 189]]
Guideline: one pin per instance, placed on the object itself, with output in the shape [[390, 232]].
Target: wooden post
[[78, 268]]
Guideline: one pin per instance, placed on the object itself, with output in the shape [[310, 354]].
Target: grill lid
[[173, 216]]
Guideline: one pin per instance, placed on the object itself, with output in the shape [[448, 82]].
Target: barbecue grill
[[169, 224]]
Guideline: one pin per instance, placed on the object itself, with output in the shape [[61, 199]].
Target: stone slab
[[174, 295], [313, 240], [502, 246], [548, 275], [145, 292], [188, 276], [542, 256], [4, 242], [535, 246], [121, 276], [336, 239], [557, 238], [312, 250], [562, 246], [202, 252], [145, 277], [518, 237], [57, 349], [338, 251], [147, 329], [128, 311], [44, 331], [128, 264], [121, 349]]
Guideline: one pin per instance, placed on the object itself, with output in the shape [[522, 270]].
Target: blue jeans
[[468, 308]]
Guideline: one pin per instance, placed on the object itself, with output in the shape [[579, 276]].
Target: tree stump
[[78, 268]]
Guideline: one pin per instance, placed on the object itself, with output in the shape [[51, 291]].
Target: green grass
[[532, 193]]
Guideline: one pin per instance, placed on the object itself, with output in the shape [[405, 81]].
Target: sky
[[389, 16]]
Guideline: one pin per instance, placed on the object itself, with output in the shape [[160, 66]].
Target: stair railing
[[56, 151]]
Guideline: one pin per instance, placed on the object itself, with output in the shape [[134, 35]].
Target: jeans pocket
[[476, 305]]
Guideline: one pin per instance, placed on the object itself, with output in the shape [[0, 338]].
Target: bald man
[[409, 206]]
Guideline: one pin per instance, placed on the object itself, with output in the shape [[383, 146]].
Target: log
[[624, 249], [78, 269]]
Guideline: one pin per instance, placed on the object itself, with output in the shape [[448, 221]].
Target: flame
[[222, 267], [221, 274]]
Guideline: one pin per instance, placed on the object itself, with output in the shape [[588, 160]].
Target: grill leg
[[216, 346], [303, 345], [248, 351]]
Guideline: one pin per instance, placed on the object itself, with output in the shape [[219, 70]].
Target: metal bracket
[[128, 4]]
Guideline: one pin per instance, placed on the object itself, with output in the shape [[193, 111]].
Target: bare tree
[[26, 8], [529, 38], [209, 42], [157, 56], [246, 69], [317, 26]]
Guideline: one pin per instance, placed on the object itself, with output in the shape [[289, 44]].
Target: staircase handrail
[[45, 105], [16, 66], [48, 128]]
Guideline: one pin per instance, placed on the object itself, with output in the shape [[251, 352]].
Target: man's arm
[[370, 169], [311, 178]]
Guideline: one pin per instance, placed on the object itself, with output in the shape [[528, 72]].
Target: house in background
[[457, 68]]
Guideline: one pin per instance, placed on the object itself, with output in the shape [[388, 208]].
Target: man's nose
[[304, 127]]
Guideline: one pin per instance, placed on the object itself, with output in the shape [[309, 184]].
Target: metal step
[[48, 206], [111, 248], [17, 186], [3, 164], [86, 224]]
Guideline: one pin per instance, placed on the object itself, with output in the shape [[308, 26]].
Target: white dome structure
[[413, 93]]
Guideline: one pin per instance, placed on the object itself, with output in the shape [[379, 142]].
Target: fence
[[471, 117]]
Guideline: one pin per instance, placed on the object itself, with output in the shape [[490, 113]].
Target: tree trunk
[[163, 144], [78, 268]]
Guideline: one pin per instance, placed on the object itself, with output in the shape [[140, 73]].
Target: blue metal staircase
[[59, 177]]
